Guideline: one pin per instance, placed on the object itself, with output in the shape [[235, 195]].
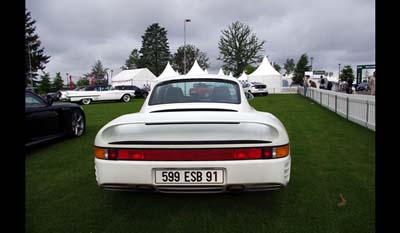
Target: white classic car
[[189, 139], [87, 94]]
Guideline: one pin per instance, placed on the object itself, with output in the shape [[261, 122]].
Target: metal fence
[[357, 108]]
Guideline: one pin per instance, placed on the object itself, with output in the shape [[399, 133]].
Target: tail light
[[193, 154]]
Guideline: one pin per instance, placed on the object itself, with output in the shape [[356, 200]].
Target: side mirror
[[249, 96]]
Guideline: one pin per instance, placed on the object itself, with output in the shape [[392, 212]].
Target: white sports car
[[87, 94], [189, 139]]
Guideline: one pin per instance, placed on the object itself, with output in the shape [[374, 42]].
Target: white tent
[[265, 73], [230, 74], [196, 69], [243, 77], [139, 77], [168, 72], [206, 71], [221, 72]]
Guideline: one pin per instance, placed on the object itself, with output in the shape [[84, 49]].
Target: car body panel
[[102, 93], [46, 121], [258, 88], [194, 126]]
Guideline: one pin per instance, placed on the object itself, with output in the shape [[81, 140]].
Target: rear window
[[196, 90]]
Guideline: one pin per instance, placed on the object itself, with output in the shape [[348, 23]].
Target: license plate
[[189, 176]]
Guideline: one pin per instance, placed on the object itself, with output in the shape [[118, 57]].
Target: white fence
[[357, 108], [282, 90]]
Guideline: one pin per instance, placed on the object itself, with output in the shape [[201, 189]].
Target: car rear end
[[258, 88], [200, 152]]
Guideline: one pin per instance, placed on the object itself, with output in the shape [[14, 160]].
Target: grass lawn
[[330, 155]]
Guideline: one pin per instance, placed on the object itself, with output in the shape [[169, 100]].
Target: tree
[[155, 49], [35, 59], [347, 74], [192, 54], [133, 61], [99, 73], [249, 69], [58, 83], [238, 48], [277, 67], [44, 86], [289, 66], [301, 67], [82, 82]]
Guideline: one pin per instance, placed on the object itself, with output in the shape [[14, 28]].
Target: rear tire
[[126, 98], [76, 125], [86, 101]]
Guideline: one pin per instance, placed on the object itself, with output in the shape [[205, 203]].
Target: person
[[349, 89], [322, 83], [371, 84], [312, 84], [306, 84], [330, 86]]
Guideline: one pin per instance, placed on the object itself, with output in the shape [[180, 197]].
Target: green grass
[[330, 155]]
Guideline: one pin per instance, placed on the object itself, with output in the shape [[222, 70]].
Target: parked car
[[183, 143], [87, 94], [362, 86], [258, 88], [140, 93], [46, 121], [53, 95]]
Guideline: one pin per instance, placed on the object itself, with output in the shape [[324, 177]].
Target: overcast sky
[[77, 33]]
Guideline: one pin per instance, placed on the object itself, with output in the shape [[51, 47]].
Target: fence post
[[328, 99], [335, 103], [320, 97], [366, 121], [347, 108]]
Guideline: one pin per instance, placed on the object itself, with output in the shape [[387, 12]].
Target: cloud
[[77, 33]]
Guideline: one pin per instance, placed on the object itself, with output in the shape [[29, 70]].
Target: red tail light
[[193, 154]]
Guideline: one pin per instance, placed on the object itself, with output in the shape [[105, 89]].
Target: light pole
[[311, 63], [339, 73], [111, 75], [67, 78], [184, 44]]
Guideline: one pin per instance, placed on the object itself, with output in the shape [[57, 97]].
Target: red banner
[[70, 82]]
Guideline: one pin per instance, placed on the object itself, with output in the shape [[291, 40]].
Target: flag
[[70, 82]]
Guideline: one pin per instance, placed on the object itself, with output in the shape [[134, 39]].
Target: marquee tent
[[196, 69], [221, 72], [266, 74], [168, 72], [139, 77], [243, 77]]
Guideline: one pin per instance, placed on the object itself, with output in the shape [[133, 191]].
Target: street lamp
[[311, 63], [184, 44], [111, 75], [339, 73]]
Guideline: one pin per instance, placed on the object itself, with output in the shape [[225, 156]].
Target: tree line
[[239, 50]]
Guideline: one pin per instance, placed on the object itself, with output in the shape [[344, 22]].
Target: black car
[[138, 91], [46, 121]]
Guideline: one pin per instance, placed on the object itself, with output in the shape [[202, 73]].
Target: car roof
[[200, 76]]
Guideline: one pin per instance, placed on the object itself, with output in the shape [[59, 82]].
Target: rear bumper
[[259, 91], [244, 175]]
